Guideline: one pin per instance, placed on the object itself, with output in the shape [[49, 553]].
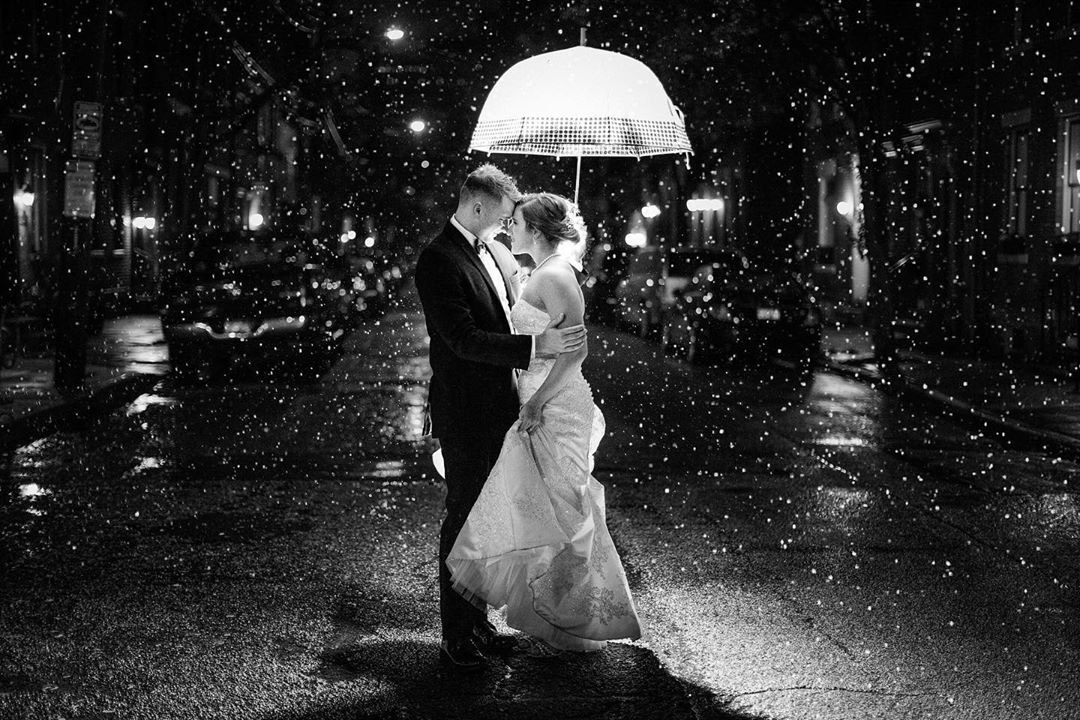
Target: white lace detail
[[529, 319], [575, 394]]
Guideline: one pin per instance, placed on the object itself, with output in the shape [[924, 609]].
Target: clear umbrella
[[578, 102]]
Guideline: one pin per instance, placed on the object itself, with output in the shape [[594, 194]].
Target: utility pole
[[84, 69], [9, 221]]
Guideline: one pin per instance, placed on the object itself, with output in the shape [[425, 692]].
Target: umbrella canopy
[[580, 101]]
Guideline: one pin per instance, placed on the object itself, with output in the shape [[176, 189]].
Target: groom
[[467, 287]]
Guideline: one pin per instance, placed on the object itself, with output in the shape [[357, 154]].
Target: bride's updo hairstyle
[[559, 221]]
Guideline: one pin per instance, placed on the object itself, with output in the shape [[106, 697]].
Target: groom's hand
[[555, 341]]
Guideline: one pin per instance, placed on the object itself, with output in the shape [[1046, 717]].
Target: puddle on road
[[33, 490], [840, 441], [147, 400]]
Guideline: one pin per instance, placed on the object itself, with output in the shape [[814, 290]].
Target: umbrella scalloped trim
[[594, 136]]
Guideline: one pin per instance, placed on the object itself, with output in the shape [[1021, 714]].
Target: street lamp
[[418, 126], [650, 211], [843, 208], [394, 34], [705, 204], [24, 199], [255, 221]]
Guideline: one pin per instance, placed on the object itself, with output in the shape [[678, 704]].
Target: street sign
[[79, 189], [86, 130]]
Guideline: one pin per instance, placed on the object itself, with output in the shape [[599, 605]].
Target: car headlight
[[294, 296], [721, 312]]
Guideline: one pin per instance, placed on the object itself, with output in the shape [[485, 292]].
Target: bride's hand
[[529, 418]]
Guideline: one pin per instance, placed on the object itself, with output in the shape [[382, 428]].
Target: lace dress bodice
[[528, 319], [531, 320]]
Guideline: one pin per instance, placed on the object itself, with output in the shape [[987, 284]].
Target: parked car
[[731, 311], [215, 303], [393, 273], [355, 287], [606, 264], [654, 277]]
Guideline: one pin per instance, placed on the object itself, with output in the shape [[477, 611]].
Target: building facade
[[1034, 182], [193, 134]]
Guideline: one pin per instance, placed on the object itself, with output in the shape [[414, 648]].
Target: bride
[[536, 541]]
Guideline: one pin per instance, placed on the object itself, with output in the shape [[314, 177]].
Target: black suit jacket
[[472, 350]]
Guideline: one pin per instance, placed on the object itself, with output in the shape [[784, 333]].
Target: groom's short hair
[[490, 181]]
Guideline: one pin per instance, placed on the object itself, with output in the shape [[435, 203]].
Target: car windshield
[[781, 281], [684, 263], [256, 275]]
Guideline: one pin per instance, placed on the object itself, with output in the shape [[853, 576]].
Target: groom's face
[[518, 233], [494, 215]]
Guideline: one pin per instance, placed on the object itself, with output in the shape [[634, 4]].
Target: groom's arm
[[443, 296]]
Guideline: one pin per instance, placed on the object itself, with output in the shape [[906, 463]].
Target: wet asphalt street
[[257, 545]]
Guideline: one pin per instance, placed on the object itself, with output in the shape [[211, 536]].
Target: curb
[[1006, 426], [74, 410]]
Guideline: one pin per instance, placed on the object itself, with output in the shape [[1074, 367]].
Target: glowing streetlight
[[418, 126], [636, 239], [255, 221], [151, 223], [650, 211], [369, 242], [705, 204], [394, 34], [843, 208], [25, 199]]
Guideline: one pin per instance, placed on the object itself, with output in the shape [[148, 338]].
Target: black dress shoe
[[488, 640], [462, 655]]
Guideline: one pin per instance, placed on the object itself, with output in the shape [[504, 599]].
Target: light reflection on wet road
[[849, 556], [800, 545]]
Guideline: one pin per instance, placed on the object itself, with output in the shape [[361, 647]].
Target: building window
[[1019, 166], [1070, 185], [1041, 20]]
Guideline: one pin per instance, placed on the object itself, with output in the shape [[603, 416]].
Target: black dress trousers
[[468, 461]]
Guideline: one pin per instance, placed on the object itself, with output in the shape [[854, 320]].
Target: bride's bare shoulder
[[556, 275], [555, 285]]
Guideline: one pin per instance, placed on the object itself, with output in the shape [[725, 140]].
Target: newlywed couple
[[525, 521]]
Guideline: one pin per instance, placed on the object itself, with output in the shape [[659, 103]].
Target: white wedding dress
[[536, 541]]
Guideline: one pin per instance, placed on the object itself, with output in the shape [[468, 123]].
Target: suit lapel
[[466, 249]]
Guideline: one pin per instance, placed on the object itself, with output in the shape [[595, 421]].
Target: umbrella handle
[[577, 179]]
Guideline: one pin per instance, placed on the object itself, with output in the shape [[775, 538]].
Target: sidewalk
[[125, 359], [1037, 403]]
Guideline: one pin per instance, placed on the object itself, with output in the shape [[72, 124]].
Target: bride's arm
[[560, 294]]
